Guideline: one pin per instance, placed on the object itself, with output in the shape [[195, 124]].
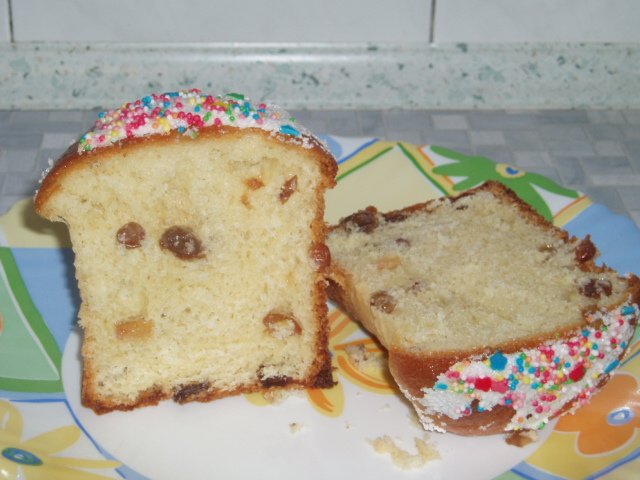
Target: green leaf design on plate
[[30, 359], [479, 169]]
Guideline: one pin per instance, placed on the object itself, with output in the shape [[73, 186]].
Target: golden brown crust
[[71, 159], [320, 376], [497, 188], [194, 392], [414, 370]]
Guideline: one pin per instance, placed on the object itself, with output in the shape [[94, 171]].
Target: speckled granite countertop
[[328, 76], [595, 151]]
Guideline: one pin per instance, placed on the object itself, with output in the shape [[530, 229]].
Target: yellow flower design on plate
[[361, 361], [35, 459]]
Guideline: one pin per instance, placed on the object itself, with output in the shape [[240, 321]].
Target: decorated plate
[[362, 428]]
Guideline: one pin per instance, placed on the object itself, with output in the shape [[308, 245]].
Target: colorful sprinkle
[[612, 366], [498, 361], [187, 112], [289, 130], [537, 382]]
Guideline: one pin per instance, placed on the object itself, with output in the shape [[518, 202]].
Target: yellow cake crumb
[[295, 427], [365, 360], [402, 459], [521, 438]]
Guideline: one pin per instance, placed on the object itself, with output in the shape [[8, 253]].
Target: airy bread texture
[[494, 319], [200, 262]]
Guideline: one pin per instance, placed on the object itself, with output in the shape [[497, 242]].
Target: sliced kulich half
[[197, 223]]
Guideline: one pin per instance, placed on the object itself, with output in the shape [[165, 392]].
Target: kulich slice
[[494, 319]]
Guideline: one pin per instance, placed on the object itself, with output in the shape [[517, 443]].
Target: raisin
[[275, 381], [547, 248], [136, 328], [187, 392], [281, 325], [383, 301], [403, 243], [288, 189], [131, 235], [395, 217], [321, 255], [325, 376], [596, 287], [586, 250], [365, 220], [182, 242]]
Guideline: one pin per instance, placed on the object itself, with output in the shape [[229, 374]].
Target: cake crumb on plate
[[403, 459]]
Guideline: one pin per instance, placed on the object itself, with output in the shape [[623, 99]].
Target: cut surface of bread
[[200, 261], [477, 297]]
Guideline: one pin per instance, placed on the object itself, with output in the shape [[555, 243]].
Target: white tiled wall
[[537, 21], [5, 34], [302, 21], [222, 20]]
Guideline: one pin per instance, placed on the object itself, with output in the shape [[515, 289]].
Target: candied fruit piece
[[244, 198], [388, 263], [288, 189], [281, 325], [136, 328], [254, 183]]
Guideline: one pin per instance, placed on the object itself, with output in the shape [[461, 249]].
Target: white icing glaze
[[518, 380]]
